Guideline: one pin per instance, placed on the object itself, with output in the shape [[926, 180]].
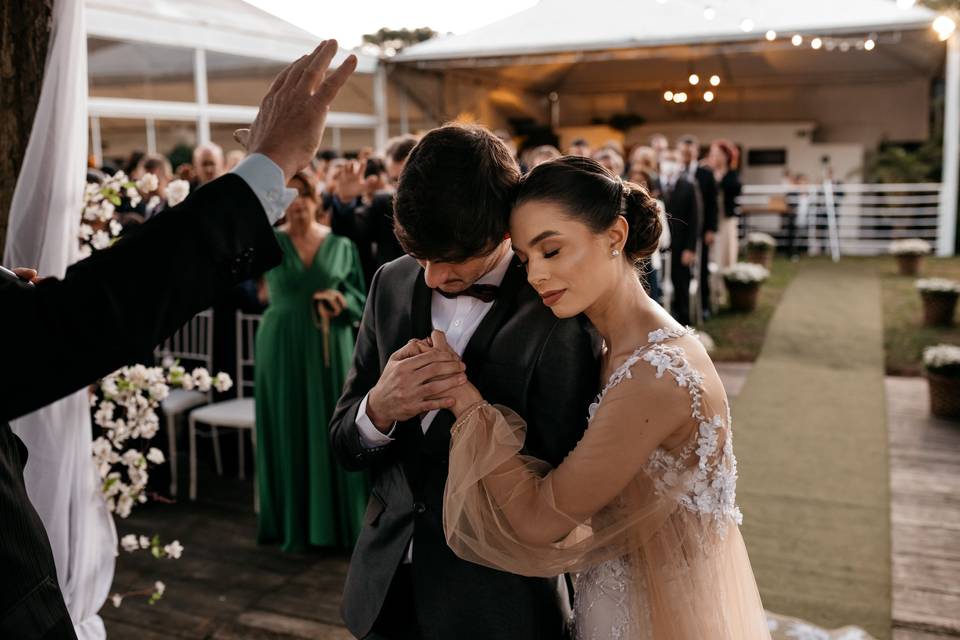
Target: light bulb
[[771, 35], [869, 45], [816, 43], [668, 96], [944, 27], [715, 80], [694, 79], [708, 96], [747, 25], [709, 13], [797, 40]]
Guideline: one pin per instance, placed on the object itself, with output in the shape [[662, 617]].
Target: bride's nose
[[536, 274]]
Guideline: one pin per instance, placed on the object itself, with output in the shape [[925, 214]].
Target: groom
[[461, 277]]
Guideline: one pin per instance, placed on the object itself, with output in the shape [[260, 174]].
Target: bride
[[643, 510]]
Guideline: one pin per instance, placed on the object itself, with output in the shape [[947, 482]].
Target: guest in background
[[367, 217], [702, 177], [724, 160], [159, 166], [207, 163], [644, 160], [541, 154], [133, 167], [659, 143], [233, 158], [580, 147], [507, 139], [655, 271], [304, 348], [611, 160], [683, 216]]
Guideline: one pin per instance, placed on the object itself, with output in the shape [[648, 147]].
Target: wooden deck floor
[[227, 587]]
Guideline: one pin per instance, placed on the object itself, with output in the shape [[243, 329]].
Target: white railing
[[868, 216]]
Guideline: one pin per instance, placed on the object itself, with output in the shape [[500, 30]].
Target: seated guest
[[367, 217], [304, 348]]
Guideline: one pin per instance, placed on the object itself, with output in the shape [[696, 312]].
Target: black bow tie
[[482, 292]]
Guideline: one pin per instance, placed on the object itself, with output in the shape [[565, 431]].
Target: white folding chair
[[192, 344], [239, 413]]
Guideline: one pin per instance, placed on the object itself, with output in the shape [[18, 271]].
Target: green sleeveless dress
[[306, 497]]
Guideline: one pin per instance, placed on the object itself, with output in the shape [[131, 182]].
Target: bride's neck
[[623, 312]]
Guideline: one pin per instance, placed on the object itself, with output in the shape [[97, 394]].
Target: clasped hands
[[424, 375]]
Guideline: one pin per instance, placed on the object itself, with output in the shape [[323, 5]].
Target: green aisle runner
[[811, 436]]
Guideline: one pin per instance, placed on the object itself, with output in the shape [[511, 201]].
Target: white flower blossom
[[148, 183], [115, 227], [745, 272], [202, 379], [222, 382], [153, 203], [124, 506], [129, 543], [177, 192], [85, 252], [116, 599], [174, 549], [159, 587], [941, 356], [910, 247], [100, 240], [938, 285], [760, 240], [155, 456], [86, 232]]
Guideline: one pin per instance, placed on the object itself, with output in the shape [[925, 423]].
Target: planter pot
[[743, 295], [938, 308], [909, 265], [944, 395], [763, 257]]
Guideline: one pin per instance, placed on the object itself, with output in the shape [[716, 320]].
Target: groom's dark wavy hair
[[455, 193]]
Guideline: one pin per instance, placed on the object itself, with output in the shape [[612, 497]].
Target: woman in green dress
[[304, 349]]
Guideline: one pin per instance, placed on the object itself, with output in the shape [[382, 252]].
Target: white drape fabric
[[44, 222]]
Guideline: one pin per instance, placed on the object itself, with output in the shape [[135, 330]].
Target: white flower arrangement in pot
[[940, 297], [760, 248], [743, 282], [942, 370], [909, 254]]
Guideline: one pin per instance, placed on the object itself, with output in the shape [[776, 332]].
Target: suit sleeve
[[121, 302], [708, 191], [349, 219], [364, 374], [693, 217], [564, 384]]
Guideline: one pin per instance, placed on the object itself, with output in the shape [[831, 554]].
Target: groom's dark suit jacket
[[107, 311], [521, 356]]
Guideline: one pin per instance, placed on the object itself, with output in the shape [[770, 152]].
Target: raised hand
[[289, 126], [414, 383], [350, 183]]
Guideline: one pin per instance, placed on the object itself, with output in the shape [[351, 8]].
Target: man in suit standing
[[58, 335], [369, 223], [702, 178], [461, 277], [683, 216]]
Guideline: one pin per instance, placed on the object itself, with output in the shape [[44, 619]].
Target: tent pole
[[200, 83], [947, 224], [380, 105]]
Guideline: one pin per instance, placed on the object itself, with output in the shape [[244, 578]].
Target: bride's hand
[[464, 396]]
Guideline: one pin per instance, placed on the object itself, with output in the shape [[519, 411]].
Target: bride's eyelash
[[551, 254]]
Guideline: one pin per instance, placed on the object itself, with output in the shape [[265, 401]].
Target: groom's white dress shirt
[[458, 318], [265, 178]]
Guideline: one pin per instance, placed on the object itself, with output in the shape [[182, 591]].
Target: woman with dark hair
[[723, 160], [644, 508], [303, 352]]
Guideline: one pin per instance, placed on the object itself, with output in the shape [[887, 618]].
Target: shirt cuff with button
[[370, 436], [265, 178]]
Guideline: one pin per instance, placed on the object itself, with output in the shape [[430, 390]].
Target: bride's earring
[[615, 253]]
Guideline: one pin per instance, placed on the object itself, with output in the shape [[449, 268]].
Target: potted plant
[[942, 365], [760, 249], [743, 282], [909, 254], [939, 300]]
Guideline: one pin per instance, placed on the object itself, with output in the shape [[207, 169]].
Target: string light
[[715, 80], [816, 43], [771, 35], [709, 13], [694, 79], [747, 25], [708, 96], [869, 45], [668, 96], [944, 27], [797, 40]]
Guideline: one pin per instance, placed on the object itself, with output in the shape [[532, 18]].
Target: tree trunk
[[24, 38]]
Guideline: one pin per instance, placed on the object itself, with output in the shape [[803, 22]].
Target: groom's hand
[[412, 383], [292, 115]]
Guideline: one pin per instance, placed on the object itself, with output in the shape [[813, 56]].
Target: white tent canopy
[[554, 26]]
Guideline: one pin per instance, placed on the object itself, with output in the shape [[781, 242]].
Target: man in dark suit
[[461, 277], [58, 335], [702, 178], [683, 215], [369, 223]]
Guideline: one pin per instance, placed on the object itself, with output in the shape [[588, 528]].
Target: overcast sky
[[348, 21]]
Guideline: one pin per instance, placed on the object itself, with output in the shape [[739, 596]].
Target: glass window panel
[[119, 69], [120, 137], [239, 79]]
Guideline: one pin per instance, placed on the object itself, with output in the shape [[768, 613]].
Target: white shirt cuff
[[265, 177], [370, 436]]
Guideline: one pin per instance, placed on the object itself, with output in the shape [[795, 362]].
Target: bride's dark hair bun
[[596, 197]]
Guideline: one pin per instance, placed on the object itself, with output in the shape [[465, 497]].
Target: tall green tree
[[391, 41], [24, 38]]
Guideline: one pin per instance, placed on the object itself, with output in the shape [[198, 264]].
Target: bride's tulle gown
[[651, 535]]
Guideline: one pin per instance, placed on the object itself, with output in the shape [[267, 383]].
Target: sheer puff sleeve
[[510, 511]]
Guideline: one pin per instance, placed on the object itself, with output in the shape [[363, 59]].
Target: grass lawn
[[739, 336], [904, 335]]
